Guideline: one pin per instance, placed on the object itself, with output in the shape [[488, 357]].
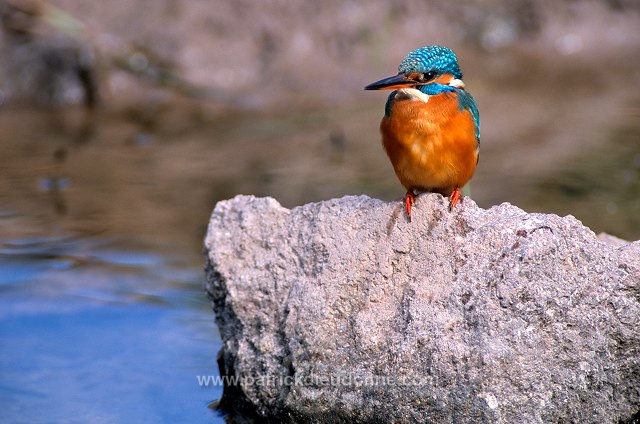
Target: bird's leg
[[454, 198], [409, 200]]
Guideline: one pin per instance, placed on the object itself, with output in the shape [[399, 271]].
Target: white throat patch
[[412, 94]]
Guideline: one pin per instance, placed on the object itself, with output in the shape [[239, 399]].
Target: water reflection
[[91, 332], [607, 197]]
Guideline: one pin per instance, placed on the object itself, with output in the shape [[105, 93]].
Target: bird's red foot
[[456, 195], [409, 200]]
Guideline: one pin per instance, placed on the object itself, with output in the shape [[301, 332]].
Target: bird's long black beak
[[391, 83]]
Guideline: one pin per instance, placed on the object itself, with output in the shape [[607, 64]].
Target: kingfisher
[[431, 125]]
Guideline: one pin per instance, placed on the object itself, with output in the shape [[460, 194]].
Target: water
[[102, 319], [90, 332], [102, 313]]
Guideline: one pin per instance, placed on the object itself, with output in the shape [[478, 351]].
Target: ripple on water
[[94, 332]]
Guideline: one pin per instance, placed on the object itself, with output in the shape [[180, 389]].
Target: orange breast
[[432, 144]]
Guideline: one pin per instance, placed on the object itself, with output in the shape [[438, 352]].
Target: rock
[[343, 311]]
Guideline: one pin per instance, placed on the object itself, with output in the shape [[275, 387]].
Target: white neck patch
[[457, 83]]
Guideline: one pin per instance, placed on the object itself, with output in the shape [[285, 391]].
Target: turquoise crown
[[431, 58]]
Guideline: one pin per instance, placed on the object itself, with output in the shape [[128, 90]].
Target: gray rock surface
[[343, 311]]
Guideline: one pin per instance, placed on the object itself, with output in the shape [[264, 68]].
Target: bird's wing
[[467, 102]]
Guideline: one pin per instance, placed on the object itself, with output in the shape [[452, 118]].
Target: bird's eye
[[429, 75], [422, 78]]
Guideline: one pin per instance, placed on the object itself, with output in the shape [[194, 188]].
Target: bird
[[431, 125]]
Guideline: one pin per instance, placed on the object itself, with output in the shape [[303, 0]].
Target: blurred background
[[122, 123]]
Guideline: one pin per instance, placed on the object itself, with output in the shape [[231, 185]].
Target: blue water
[[93, 333]]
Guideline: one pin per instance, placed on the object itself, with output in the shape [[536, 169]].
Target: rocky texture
[[342, 311]]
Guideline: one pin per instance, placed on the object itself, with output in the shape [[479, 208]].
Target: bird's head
[[421, 67]]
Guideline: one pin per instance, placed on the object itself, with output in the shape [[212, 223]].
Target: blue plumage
[[467, 102], [389, 104], [440, 60], [431, 58]]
